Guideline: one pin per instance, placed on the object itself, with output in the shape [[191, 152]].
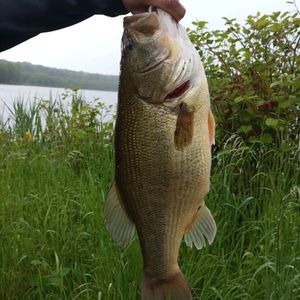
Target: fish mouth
[[145, 23], [178, 91]]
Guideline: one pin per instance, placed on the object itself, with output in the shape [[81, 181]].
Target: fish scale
[[148, 163]]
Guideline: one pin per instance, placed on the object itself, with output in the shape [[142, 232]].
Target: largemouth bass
[[163, 137]]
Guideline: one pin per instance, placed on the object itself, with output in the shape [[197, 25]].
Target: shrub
[[254, 76]]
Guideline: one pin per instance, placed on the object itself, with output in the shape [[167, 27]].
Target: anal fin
[[117, 222], [202, 228]]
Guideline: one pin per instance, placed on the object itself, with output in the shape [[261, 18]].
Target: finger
[[139, 10], [173, 7]]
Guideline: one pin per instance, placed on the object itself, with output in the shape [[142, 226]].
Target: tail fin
[[174, 287]]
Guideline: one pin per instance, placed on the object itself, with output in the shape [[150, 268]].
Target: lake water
[[12, 93]]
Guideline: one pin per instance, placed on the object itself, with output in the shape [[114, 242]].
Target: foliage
[[56, 167], [29, 74], [64, 125], [56, 164], [254, 76]]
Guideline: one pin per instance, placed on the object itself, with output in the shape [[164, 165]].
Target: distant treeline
[[24, 73]]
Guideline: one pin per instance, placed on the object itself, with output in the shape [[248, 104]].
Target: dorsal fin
[[211, 127], [117, 222], [203, 228]]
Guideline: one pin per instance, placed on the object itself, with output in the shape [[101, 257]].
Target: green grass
[[53, 181]]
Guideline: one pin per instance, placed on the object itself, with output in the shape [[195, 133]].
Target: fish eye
[[127, 42], [129, 46]]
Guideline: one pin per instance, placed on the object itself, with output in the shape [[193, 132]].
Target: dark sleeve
[[23, 19]]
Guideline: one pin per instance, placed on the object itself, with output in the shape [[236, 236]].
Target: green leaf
[[39, 263], [286, 104], [63, 271], [276, 27], [260, 102], [271, 122], [238, 99], [275, 83], [247, 54], [246, 116], [254, 139], [296, 21], [52, 280], [262, 23], [201, 24], [245, 128], [275, 15], [266, 138]]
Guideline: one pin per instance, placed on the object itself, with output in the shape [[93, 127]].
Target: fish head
[[158, 60]]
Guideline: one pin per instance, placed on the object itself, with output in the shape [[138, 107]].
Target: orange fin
[[117, 222], [184, 131], [211, 128], [175, 286], [202, 228]]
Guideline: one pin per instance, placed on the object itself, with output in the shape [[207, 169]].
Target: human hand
[[173, 7]]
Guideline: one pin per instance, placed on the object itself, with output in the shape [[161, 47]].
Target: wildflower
[[28, 136]]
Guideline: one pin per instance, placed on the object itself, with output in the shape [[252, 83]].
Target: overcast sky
[[94, 44]]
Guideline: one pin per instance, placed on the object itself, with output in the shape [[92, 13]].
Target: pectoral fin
[[211, 128], [117, 222], [202, 228], [184, 131]]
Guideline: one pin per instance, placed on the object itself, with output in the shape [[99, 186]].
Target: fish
[[164, 132]]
